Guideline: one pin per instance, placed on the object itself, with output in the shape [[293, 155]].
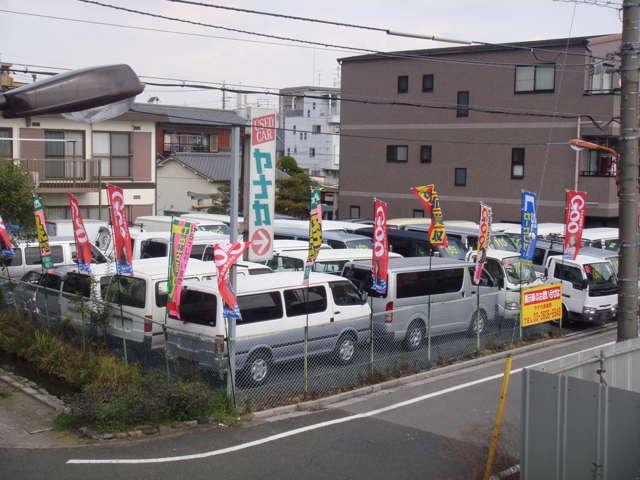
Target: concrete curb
[[31, 389], [325, 402]]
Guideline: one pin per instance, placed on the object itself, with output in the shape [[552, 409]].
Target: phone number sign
[[541, 304]]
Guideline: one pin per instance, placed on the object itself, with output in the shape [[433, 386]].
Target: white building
[[308, 127]]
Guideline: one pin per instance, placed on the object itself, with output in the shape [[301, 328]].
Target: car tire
[[258, 368], [415, 335], [474, 322], [345, 349]]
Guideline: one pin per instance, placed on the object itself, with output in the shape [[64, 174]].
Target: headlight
[[589, 310], [512, 306]]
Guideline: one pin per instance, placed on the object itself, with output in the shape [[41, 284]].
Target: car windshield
[[518, 270], [455, 249], [219, 229], [500, 241], [601, 276], [612, 245], [614, 263], [360, 243]]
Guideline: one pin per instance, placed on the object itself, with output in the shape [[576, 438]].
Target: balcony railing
[[187, 147], [60, 174]]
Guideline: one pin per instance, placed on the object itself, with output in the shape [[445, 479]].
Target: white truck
[[589, 287]]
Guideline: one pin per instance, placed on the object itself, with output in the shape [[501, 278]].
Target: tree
[[292, 193], [16, 206], [221, 200]]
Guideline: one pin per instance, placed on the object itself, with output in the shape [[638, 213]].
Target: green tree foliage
[[221, 200], [292, 193], [16, 192]]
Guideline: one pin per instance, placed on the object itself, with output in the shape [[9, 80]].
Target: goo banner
[[83, 247], [574, 223], [225, 256], [380, 256], [41, 231], [315, 234], [528, 225], [120, 227], [181, 243], [483, 241], [429, 197]]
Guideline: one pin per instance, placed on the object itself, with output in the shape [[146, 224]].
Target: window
[[308, 113], [600, 164], [314, 105], [517, 163], [51, 281], [603, 77], [197, 251], [463, 104], [198, 307], [403, 84], [535, 78], [312, 152], [189, 142], [425, 282], [425, 153], [295, 149], [301, 136], [305, 135], [418, 213], [32, 255], [294, 129], [60, 145], [495, 269], [16, 260], [354, 211], [130, 291], [331, 267], [96, 255], [6, 146], [568, 273], [538, 256], [315, 128], [153, 249], [427, 82], [260, 307], [288, 151], [162, 289], [296, 301], [397, 153], [285, 264], [77, 284], [344, 293], [460, 177], [114, 152]]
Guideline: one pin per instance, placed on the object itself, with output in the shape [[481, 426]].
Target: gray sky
[[59, 43]]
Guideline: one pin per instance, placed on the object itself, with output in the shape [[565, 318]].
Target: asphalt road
[[428, 429]]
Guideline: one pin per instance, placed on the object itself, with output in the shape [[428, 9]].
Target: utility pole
[[224, 97], [628, 190]]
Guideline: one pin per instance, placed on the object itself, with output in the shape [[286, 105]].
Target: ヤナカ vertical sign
[[380, 254], [262, 181], [483, 241], [41, 231], [528, 225], [574, 223], [121, 237], [83, 247]]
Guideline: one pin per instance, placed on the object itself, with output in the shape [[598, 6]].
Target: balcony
[[59, 175]]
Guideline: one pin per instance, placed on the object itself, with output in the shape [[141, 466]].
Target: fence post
[[124, 340], [166, 347], [478, 319], [371, 336]]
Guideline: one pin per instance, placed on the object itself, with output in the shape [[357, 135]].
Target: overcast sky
[[58, 43]]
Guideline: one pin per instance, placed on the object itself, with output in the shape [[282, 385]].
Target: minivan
[[329, 261], [272, 326], [440, 297], [333, 238], [411, 243]]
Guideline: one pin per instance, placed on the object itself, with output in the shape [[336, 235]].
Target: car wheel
[[478, 323], [258, 368], [415, 335], [345, 349]]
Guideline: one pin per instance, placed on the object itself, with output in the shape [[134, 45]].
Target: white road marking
[[317, 426]]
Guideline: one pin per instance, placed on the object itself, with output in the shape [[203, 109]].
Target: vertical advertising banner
[[431, 200], [574, 223], [6, 250], [41, 232], [528, 225], [262, 179], [225, 256], [315, 234], [181, 243], [380, 255], [83, 247], [120, 227], [483, 241]]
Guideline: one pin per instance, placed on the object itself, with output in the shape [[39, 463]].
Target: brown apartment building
[[473, 155]]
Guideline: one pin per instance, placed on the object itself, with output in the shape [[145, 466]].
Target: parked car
[[271, 330], [333, 238], [98, 231], [162, 223], [329, 261], [156, 244], [411, 243], [440, 298], [603, 238]]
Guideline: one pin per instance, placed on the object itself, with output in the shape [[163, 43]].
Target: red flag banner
[[225, 257], [430, 199], [120, 227], [83, 247], [380, 256], [6, 250], [574, 223], [483, 241]]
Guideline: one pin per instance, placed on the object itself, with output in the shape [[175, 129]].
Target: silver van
[[403, 313]]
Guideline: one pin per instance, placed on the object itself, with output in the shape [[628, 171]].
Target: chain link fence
[[309, 362]]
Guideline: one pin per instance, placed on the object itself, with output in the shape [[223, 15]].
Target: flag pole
[[166, 309]]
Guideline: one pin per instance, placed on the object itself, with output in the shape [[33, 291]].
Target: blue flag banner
[[529, 225]]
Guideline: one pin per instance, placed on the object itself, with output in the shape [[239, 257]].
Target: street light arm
[[579, 144]]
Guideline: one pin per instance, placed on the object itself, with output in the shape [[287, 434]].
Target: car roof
[[70, 221], [407, 221], [338, 254], [328, 235], [501, 254], [582, 259], [169, 219], [600, 233], [411, 263]]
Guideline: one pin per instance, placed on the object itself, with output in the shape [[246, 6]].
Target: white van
[[403, 313], [512, 274], [156, 244], [604, 238], [98, 231], [63, 252], [162, 223], [329, 261], [589, 287], [273, 322]]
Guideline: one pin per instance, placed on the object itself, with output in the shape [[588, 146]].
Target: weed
[[5, 393]]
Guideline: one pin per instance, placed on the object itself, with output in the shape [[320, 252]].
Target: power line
[[594, 3], [388, 31], [303, 41]]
